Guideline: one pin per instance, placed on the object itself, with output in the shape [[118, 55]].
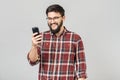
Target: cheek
[[49, 23]]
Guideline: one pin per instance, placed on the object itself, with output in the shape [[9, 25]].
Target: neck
[[60, 32]]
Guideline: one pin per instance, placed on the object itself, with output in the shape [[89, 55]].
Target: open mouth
[[54, 26]]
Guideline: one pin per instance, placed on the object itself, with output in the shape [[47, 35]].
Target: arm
[[80, 60], [34, 54]]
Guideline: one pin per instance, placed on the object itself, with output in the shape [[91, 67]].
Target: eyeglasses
[[54, 18]]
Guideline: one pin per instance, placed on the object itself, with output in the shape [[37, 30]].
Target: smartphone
[[35, 29]]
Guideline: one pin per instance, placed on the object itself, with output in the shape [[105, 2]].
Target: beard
[[54, 31]]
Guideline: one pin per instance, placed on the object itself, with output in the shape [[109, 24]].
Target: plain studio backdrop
[[97, 21]]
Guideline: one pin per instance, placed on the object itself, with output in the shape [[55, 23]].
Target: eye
[[54, 18]]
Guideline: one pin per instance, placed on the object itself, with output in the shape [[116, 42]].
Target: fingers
[[35, 34], [36, 39]]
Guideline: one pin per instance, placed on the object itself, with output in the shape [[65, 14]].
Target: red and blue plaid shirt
[[61, 58]]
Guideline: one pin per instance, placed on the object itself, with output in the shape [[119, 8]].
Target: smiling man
[[59, 52]]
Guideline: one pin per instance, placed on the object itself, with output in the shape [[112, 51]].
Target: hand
[[36, 39], [81, 79]]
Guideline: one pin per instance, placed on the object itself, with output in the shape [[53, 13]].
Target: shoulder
[[75, 36], [46, 34]]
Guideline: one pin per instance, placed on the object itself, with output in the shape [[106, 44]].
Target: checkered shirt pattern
[[61, 58]]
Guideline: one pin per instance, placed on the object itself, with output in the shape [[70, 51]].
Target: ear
[[63, 18]]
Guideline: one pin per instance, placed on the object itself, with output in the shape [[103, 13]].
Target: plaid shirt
[[61, 58]]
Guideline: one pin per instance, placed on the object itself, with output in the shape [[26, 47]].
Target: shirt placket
[[55, 59]]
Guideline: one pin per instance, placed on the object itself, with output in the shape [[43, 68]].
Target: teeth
[[54, 25]]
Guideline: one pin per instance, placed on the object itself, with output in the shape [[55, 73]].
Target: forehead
[[53, 14]]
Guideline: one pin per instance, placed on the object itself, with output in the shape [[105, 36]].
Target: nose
[[52, 21]]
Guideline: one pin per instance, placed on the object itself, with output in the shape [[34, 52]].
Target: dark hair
[[55, 8]]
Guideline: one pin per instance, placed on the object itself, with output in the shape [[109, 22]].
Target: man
[[59, 52]]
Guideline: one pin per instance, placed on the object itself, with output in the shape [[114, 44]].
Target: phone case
[[35, 29]]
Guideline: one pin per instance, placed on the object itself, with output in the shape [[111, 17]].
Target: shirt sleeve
[[80, 60], [37, 61]]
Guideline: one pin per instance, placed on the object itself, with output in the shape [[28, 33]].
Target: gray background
[[97, 21]]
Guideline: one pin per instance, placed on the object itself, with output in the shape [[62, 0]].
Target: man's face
[[55, 22]]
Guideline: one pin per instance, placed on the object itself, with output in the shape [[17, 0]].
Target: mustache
[[53, 23]]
